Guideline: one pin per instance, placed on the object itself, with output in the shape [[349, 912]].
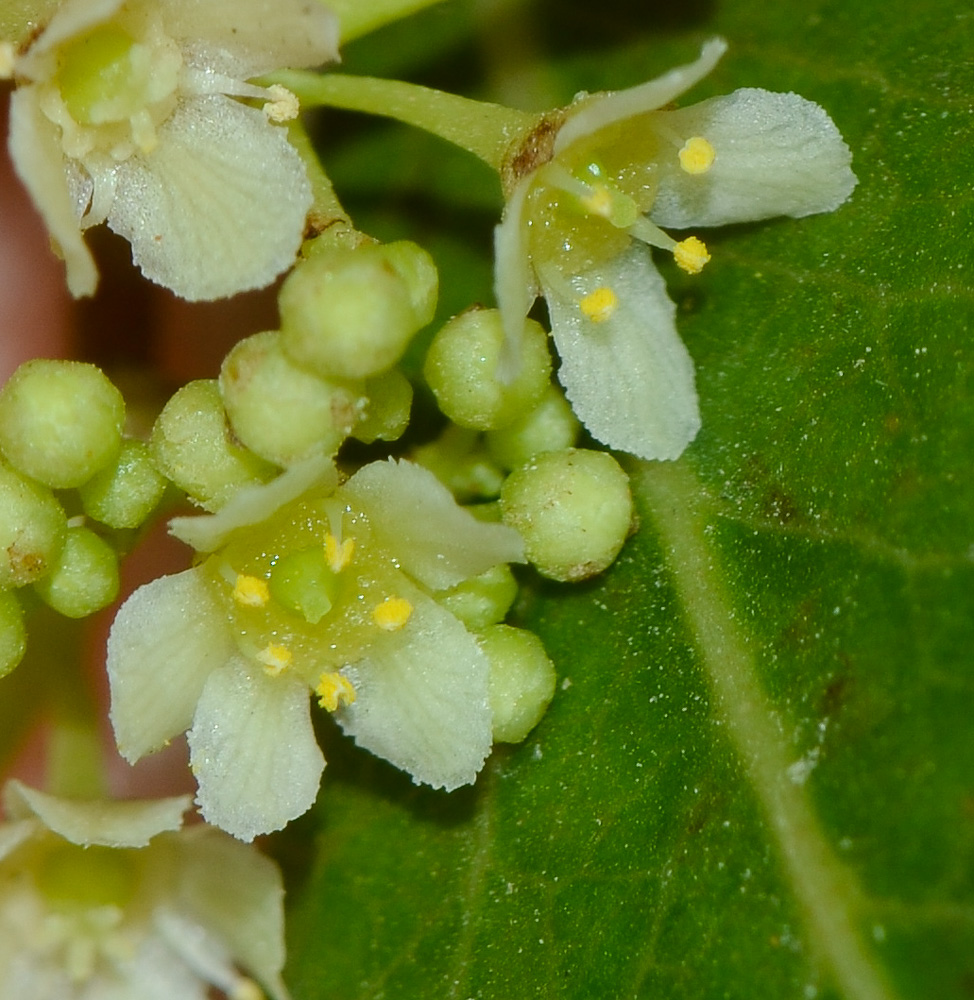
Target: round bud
[[390, 398], [350, 313], [125, 493], [521, 682], [193, 446], [13, 634], [550, 426], [459, 460], [32, 529], [461, 369], [60, 421], [481, 600], [85, 579], [280, 411], [573, 509]]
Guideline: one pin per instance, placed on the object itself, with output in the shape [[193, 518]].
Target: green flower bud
[[32, 529], [193, 446], [280, 411], [481, 600], [387, 414], [461, 369], [350, 313], [550, 426], [60, 421], [124, 494], [13, 634], [458, 459], [573, 509], [85, 579], [521, 682]]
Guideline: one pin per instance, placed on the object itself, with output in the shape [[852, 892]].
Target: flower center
[[115, 89]]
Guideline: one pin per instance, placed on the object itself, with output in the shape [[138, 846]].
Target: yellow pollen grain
[[599, 305], [334, 690], [274, 658], [338, 554], [697, 155], [251, 591], [392, 613], [599, 202], [691, 255], [283, 105]]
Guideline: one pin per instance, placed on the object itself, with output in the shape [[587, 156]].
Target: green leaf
[[757, 776]]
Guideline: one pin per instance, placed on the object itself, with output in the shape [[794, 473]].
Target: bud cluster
[[69, 482]]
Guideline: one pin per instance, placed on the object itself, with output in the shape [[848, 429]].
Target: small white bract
[[125, 113], [112, 899], [310, 586], [587, 195]]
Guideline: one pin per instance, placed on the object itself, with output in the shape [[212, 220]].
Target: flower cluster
[[378, 588]]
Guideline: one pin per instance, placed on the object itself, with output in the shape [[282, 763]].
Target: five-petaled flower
[[106, 899], [587, 195], [126, 112], [311, 586]]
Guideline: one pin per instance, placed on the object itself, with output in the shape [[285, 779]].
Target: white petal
[[218, 206], [776, 154], [629, 378], [415, 516], [256, 35], [253, 751], [253, 504], [112, 824], [40, 164], [237, 893], [13, 834], [153, 972], [514, 284], [421, 699], [600, 110], [165, 641]]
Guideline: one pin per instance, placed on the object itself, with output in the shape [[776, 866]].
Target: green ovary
[[304, 583], [87, 876], [107, 76]]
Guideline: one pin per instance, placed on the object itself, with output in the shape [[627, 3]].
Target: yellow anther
[[334, 690], [338, 554], [599, 202], [599, 305], [691, 255], [274, 658], [251, 591], [697, 155], [392, 613], [283, 106], [246, 989]]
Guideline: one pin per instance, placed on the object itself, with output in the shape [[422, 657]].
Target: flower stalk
[[489, 131]]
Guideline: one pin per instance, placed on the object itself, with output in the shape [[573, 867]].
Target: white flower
[[112, 900], [588, 193], [317, 587], [125, 113]]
